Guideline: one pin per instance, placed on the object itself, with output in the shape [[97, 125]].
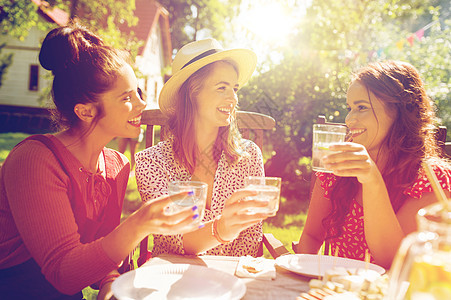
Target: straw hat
[[196, 55]]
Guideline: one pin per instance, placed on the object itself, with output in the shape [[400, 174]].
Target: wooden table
[[287, 285]]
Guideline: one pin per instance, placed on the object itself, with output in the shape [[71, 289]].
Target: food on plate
[[344, 282], [256, 267], [254, 264]]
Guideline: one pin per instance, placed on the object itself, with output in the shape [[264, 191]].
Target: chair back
[[441, 140], [251, 125]]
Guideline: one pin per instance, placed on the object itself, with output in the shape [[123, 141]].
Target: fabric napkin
[[256, 267]]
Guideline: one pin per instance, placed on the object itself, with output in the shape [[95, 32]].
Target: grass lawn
[[285, 227]]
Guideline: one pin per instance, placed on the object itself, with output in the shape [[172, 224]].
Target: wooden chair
[[251, 125], [441, 140]]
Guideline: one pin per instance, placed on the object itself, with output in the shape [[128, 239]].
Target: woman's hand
[[235, 216], [352, 160], [154, 219], [150, 218]]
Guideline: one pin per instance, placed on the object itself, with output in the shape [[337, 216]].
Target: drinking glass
[[268, 189], [323, 136], [198, 197]]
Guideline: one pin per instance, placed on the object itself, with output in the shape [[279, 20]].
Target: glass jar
[[422, 267]]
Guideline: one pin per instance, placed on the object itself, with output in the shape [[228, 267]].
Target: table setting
[[291, 276], [421, 269]]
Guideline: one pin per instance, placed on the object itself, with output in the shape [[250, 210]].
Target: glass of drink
[[197, 196], [268, 189], [323, 136]]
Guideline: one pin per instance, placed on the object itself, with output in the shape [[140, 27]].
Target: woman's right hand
[[235, 218], [154, 220], [352, 160], [150, 218]]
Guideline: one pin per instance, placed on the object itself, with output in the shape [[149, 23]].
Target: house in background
[[156, 53], [25, 80]]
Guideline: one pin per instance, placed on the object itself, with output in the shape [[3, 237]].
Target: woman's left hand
[[352, 160]]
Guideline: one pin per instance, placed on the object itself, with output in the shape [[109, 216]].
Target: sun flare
[[270, 21]]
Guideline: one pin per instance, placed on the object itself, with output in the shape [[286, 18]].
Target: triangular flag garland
[[348, 56], [410, 40], [419, 34]]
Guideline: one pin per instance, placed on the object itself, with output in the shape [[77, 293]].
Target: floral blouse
[[352, 243], [156, 167]]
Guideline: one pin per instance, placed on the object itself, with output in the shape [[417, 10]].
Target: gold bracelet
[[214, 231]]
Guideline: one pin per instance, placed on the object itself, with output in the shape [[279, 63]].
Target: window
[[33, 82]]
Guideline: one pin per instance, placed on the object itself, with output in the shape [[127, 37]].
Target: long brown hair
[[181, 124], [410, 140]]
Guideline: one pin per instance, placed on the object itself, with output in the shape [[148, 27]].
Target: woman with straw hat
[[200, 101]]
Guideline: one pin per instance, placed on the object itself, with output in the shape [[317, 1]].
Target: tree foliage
[[192, 19], [17, 17]]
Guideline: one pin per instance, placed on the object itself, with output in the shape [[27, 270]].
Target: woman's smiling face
[[368, 119], [217, 99], [122, 106]]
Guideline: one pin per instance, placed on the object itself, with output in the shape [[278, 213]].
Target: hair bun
[[63, 47], [56, 50]]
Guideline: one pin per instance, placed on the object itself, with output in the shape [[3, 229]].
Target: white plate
[[177, 281], [307, 264]]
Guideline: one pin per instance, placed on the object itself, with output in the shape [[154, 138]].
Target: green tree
[[192, 19], [17, 17]]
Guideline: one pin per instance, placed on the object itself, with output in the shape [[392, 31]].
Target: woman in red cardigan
[[61, 194]]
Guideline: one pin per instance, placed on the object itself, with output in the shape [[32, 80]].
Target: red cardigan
[[56, 219]]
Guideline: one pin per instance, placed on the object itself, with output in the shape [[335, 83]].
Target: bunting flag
[[420, 34], [399, 45], [410, 39]]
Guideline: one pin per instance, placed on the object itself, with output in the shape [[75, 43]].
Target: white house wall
[[14, 88], [151, 64]]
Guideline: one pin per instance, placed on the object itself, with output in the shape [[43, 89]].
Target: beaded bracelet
[[214, 231]]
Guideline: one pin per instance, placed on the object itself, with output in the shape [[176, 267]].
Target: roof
[[150, 13], [52, 14]]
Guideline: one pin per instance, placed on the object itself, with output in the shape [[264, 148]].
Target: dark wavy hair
[[83, 67], [410, 140], [181, 124]]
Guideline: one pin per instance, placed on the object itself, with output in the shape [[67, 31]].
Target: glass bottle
[[422, 267]]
